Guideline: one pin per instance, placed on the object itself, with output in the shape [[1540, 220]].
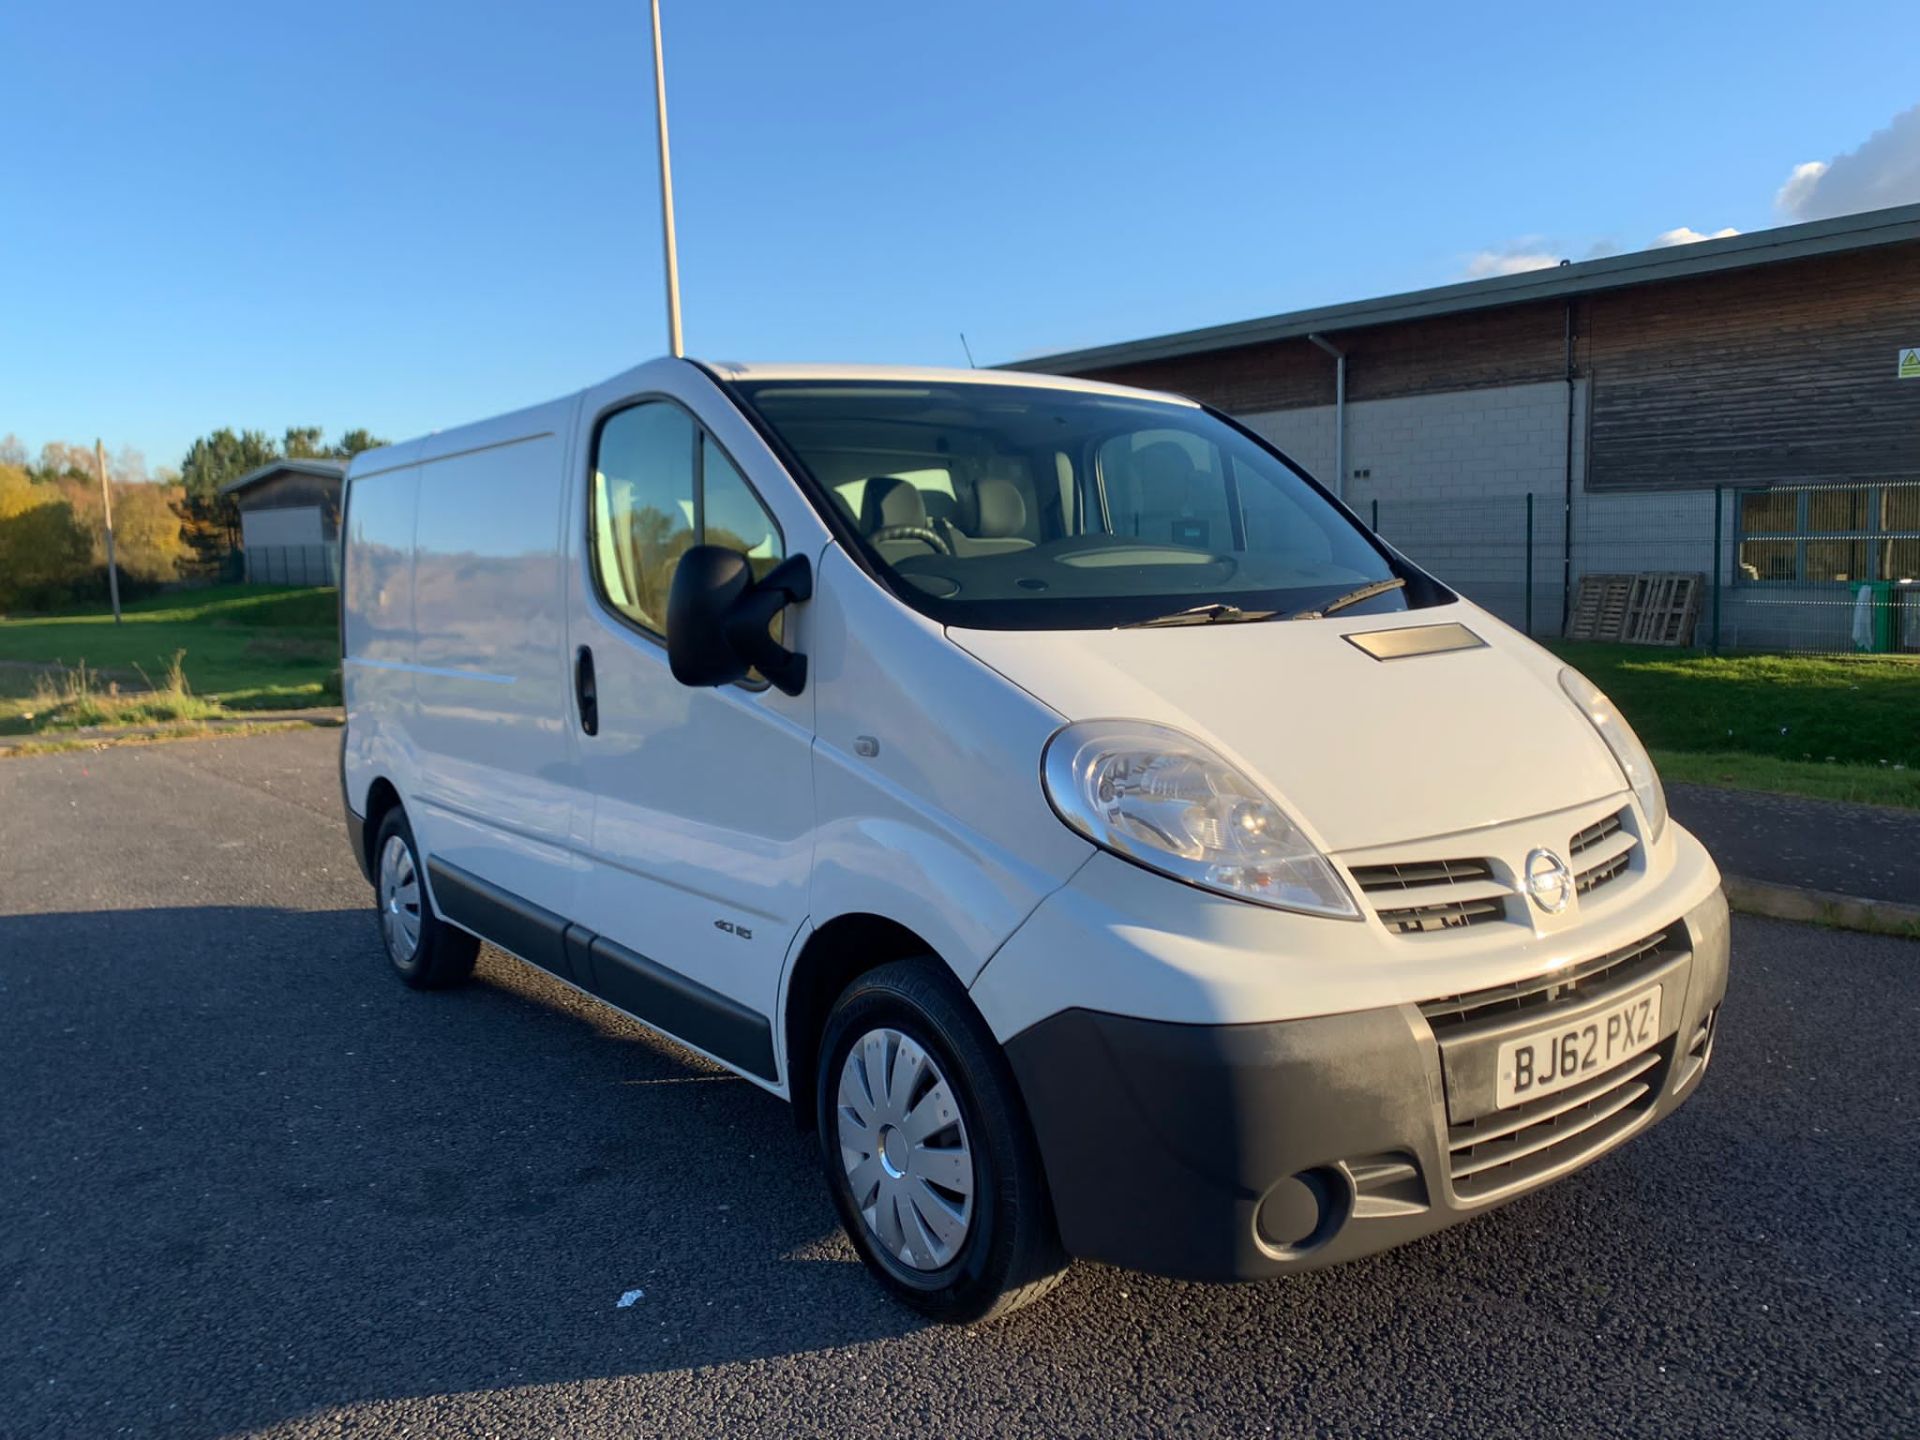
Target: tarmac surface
[[251, 1185], [1872, 851]]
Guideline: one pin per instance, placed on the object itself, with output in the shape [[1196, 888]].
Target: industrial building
[[290, 520], [1746, 409]]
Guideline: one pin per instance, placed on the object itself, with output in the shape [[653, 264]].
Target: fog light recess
[[1303, 1212]]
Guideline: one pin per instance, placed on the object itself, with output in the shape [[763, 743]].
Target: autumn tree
[[43, 545]]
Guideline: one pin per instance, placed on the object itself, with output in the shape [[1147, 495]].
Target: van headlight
[[1163, 800], [1635, 763]]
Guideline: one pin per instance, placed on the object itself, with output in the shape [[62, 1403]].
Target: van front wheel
[[428, 953], [927, 1149]]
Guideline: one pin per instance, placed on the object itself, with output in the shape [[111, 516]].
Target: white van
[[1109, 846]]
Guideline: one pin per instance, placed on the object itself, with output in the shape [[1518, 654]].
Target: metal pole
[[1376, 514], [1718, 507], [106, 506], [1566, 511], [1340, 427], [666, 191], [1339, 413], [1529, 579]]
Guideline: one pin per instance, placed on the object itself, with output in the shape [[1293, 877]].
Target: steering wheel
[[921, 533]]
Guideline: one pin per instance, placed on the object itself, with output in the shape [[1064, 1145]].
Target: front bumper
[[1216, 1152]]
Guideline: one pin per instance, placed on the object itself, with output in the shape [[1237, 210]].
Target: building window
[[1834, 535]]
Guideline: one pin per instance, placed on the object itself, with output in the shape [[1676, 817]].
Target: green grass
[[62, 744], [1858, 784], [246, 647], [1838, 727], [77, 699]]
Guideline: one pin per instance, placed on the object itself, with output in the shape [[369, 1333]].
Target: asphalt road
[[1872, 851], [250, 1185]]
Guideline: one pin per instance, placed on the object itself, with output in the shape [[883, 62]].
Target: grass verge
[[160, 736], [1856, 784], [78, 699], [242, 647], [1832, 727]]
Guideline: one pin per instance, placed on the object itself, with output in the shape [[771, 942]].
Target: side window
[[735, 517], [660, 485], [643, 508], [1277, 524]]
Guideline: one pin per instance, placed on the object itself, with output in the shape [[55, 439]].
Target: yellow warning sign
[[1910, 364]]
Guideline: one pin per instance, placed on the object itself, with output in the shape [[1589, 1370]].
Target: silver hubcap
[[905, 1150], [399, 900]]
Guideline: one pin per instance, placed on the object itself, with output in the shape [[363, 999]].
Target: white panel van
[[1105, 843]]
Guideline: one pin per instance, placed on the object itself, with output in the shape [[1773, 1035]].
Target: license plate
[[1552, 1059]]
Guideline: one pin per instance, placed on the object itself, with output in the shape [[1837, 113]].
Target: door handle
[[585, 692]]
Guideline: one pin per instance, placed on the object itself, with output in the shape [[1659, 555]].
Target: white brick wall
[[1451, 473]]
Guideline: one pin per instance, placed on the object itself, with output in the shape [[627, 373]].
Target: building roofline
[[325, 469], [1612, 272]]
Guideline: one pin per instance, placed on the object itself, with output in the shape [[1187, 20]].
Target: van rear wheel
[[927, 1150], [428, 953]]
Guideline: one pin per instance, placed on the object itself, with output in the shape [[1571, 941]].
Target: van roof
[[927, 374], [534, 419]]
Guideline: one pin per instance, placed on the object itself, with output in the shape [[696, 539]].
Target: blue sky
[[411, 213]]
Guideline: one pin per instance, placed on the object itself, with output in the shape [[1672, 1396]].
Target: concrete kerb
[[1822, 907]]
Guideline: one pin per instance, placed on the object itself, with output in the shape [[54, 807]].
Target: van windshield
[[1021, 507]]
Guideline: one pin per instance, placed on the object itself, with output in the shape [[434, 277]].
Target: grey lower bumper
[[1243, 1151]]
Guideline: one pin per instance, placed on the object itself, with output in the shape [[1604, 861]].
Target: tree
[[211, 461], [210, 520], [61, 461], [147, 533], [44, 547], [352, 442]]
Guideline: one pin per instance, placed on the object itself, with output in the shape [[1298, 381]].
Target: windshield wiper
[[1217, 612], [1352, 597]]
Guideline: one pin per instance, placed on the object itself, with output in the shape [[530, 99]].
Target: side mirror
[[719, 619]]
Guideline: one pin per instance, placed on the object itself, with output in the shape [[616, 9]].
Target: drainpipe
[[1339, 413], [1566, 522]]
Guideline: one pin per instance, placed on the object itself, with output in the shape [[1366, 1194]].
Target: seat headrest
[[1162, 466], [889, 500], [1003, 513]]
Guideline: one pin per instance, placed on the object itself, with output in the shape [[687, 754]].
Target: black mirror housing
[[719, 619]]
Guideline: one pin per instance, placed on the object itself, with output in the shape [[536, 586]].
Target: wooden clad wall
[[295, 489], [1778, 373]]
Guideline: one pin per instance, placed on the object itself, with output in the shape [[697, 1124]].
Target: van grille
[[1511, 1147], [1422, 888], [1593, 835], [1574, 984], [1607, 848]]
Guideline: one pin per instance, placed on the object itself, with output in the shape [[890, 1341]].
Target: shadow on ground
[[248, 1171], [248, 1181]]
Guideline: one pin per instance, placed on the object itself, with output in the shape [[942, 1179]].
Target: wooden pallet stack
[[1652, 607]]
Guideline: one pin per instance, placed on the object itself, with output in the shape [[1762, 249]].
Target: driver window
[[643, 511], [734, 515], [660, 485]]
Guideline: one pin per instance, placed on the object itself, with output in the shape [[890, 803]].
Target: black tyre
[[428, 953], [927, 1149]]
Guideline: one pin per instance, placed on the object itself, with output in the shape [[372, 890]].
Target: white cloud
[[1883, 170], [1515, 259], [1798, 190], [1539, 252], [1687, 235]]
